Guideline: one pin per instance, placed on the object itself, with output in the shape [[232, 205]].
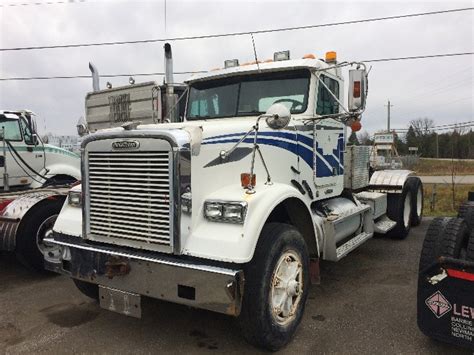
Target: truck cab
[[26, 161], [233, 208]]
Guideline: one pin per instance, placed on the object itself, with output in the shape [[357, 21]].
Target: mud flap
[[446, 302]]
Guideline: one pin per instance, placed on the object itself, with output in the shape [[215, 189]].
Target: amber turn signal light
[[245, 179]]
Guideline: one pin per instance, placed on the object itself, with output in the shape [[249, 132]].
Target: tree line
[[454, 144]]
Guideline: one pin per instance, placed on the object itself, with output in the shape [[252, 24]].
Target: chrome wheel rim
[[286, 287], [419, 202], [45, 230], [407, 210]]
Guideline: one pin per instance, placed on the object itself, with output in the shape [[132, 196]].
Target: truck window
[[214, 102], [249, 95], [28, 136], [12, 130], [326, 104]]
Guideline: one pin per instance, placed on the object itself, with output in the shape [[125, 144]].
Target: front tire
[[35, 227], [88, 289], [276, 288]]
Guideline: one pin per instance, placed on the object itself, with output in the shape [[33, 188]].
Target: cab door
[[20, 150], [328, 150], [13, 137]]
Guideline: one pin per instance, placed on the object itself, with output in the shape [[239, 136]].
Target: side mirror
[[278, 116], [81, 129], [45, 139], [357, 89]]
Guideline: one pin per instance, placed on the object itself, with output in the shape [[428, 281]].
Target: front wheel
[[276, 289], [31, 249], [88, 289]]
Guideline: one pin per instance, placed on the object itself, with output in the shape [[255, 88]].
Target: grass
[[444, 199], [443, 167]]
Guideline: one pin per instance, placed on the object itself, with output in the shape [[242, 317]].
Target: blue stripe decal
[[335, 160], [302, 152], [322, 161], [241, 134]]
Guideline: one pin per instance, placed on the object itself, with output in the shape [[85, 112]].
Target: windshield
[[249, 95]]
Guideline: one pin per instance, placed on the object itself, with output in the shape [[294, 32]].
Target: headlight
[[220, 211], [74, 198]]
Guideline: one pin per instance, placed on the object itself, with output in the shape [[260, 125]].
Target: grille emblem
[[126, 145]]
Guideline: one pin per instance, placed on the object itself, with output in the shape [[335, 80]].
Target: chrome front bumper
[[150, 274]]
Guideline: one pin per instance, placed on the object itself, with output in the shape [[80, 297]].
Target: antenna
[[255, 52]]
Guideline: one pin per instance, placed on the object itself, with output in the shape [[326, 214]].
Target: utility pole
[[437, 145], [388, 116]]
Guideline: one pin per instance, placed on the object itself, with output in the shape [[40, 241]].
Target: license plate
[[120, 301]]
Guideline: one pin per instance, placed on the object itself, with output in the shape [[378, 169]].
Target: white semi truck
[[232, 209], [35, 176]]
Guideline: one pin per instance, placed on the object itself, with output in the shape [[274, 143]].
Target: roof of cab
[[264, 66]]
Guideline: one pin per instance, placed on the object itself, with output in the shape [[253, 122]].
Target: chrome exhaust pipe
[[95, 77], [168, 64]]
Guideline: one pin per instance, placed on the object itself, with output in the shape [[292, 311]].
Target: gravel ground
[[366, 303]]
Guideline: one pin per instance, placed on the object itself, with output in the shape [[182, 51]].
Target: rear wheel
[[470, 247], [466, 211], [456, 238], [276, 289], [31, 249], [432, 245], [416, 188], [399, 209]]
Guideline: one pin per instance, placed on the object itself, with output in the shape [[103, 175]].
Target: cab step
[[384, 225], [351, 244]]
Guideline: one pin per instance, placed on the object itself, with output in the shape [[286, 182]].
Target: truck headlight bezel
[[225, 211], [74, 198]]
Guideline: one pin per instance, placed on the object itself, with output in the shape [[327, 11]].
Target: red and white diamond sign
[[438, 304]]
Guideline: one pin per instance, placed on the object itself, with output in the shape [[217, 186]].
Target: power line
[[204, 71], [417, 57], [64, 2], [282, 29], [445, 126], [102, 76]]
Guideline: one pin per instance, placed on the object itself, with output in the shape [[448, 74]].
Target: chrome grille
[[129, 196]]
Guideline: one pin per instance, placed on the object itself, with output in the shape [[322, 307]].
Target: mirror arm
[[225, 153], [269, 179]]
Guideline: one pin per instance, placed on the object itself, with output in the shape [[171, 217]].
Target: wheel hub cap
[[286, 287], [45, 231]]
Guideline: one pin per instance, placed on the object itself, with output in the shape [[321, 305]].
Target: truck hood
[[58, 150], [198, 130]]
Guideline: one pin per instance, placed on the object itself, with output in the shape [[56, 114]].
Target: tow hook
[[116, 267]]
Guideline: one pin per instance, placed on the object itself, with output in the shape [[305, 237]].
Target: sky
[[439, 88]]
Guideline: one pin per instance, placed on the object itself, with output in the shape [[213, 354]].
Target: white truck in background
[[34, 184], [232, 209], [37, 176]]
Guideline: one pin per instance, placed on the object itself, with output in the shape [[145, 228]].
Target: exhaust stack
[[168, 64], [95, 77], [170, 98]]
